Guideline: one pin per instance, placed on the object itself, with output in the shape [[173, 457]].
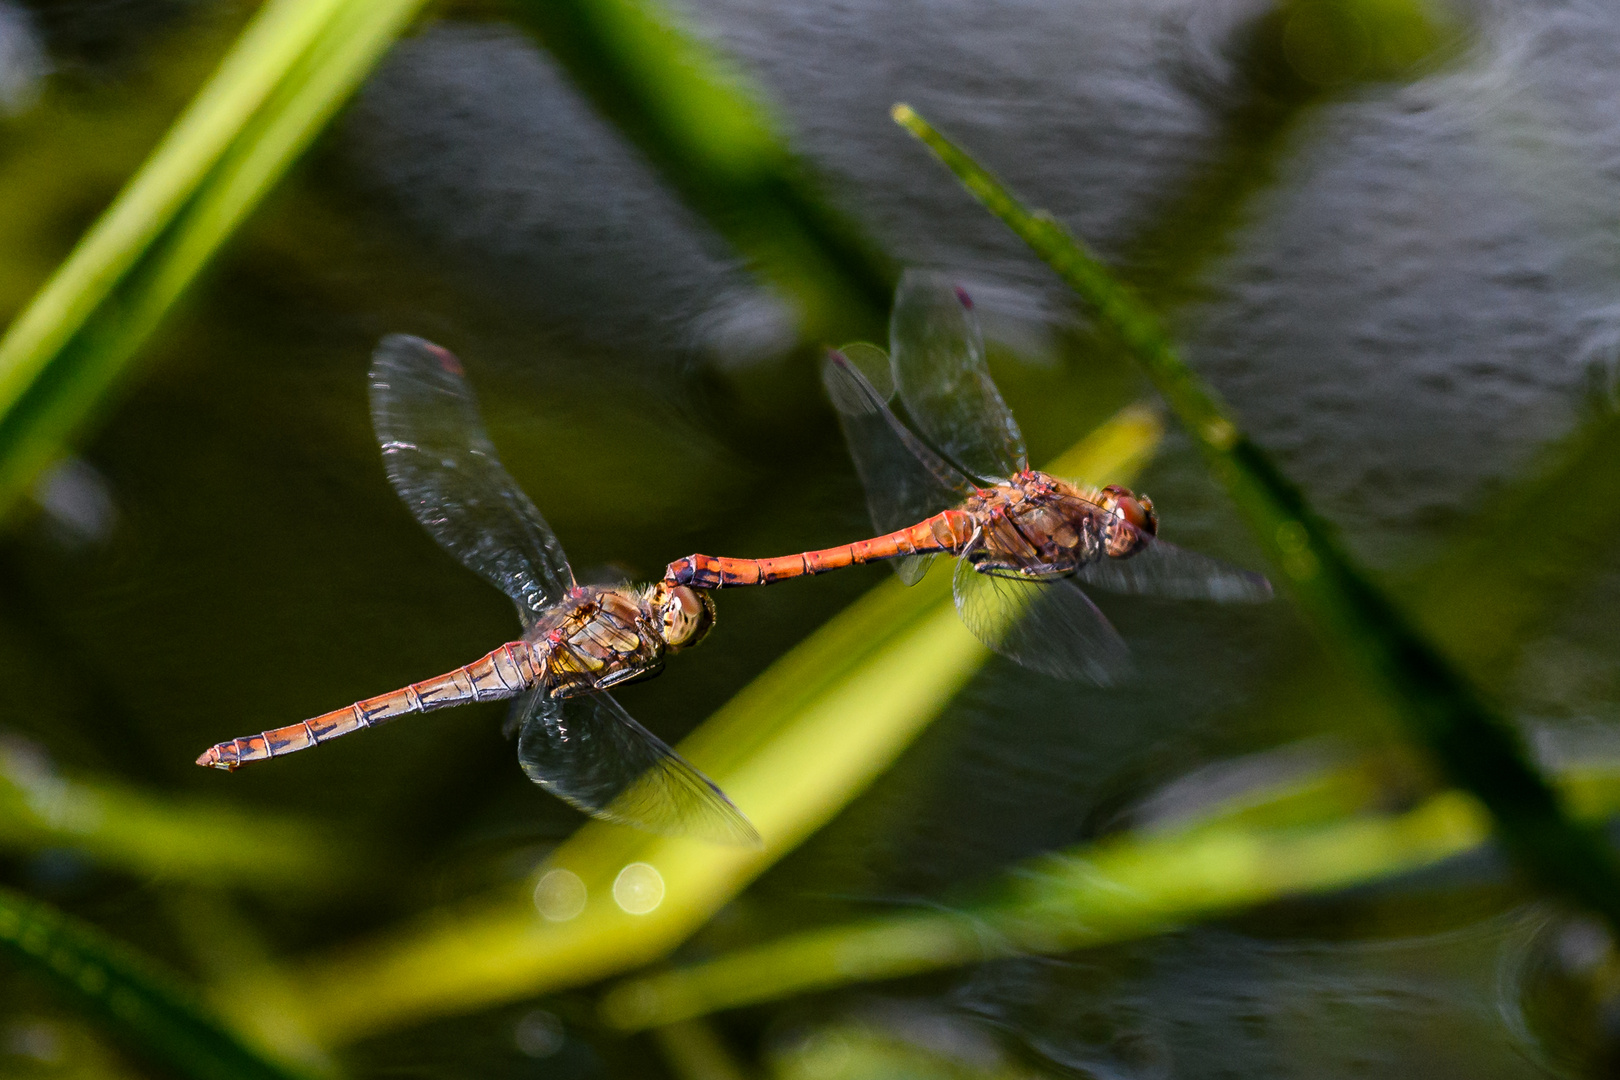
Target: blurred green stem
[[147, 1007], [1126, 888], [1314, 834], [695, 1051], [696, 118], [126, 830], [1476, 746]]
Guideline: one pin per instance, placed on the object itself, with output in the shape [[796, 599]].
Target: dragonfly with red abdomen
[[574, 739], [1022, 538]]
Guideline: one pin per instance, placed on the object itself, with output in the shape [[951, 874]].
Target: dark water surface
[[1414, 306]]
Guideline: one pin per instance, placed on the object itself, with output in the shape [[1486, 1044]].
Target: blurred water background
[[1407, 288]]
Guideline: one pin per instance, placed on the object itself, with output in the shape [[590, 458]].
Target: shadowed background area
[[1404, 279]]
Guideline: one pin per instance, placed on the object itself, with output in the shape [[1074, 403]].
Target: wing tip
[[395, 347], [738, 832], [847, 388], [1248, 588], [1263, 590]]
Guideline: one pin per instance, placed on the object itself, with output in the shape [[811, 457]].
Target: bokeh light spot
[[560, 895], [538, 1033], [639, 888]]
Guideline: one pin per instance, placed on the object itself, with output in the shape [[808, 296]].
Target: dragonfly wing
[[938, 357], [905, 481], [589, 752], [441, 462], [911, 568], [1047, 626], [1161, 569]]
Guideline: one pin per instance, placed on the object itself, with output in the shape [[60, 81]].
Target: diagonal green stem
[[1316, 833], [1126, 888], [697, 119], [1475, 744]]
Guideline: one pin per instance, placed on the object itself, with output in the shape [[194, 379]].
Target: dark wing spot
[[447, 360]]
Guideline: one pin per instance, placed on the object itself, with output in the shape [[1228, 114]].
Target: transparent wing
[[939, 369], [590, 753], [1161, 569], [1047, 626], [905, 481], [441, 462]]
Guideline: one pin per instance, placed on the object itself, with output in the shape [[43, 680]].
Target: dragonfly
[[574, 739], [1024, 540]]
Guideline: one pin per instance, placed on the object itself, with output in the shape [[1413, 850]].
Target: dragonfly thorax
[[1039, 525], [600, 637]]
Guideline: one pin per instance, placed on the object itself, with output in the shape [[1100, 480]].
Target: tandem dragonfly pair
[[959, 484]]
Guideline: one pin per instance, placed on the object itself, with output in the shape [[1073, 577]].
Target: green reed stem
[[1314, 834], [1478, 748]]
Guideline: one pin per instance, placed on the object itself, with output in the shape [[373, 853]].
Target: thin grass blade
[[1315, 834], [1442, 710]]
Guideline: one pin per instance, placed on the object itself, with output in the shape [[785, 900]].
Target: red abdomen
[[945, 532]]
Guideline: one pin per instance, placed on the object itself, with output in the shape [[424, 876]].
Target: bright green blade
[[293, 66]]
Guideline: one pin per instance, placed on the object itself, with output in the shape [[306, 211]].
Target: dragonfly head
[[687, 614], [1127, 509]]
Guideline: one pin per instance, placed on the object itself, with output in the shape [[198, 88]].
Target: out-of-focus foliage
[[1315, 833], [151, 837], [146, 1006], [916, 1046], [1126, 887]]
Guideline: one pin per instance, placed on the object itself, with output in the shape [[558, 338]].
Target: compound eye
[[688, 615], [1132, 512], [1137, 513]]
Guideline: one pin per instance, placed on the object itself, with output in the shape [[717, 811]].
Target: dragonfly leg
[[624, 675]]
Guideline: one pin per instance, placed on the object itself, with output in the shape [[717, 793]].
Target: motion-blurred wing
[[1047, 626], [905, 481], [1161, 569], [939, 369], [440, 460], [590, 753]]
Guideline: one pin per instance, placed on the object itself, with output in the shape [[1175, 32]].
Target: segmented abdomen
[[503, 673]]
